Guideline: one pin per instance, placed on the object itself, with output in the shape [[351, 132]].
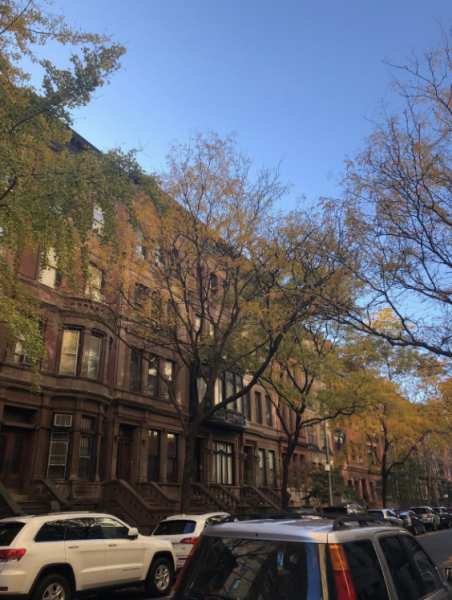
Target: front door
[[13, 456], [124, 558], [125, 458]]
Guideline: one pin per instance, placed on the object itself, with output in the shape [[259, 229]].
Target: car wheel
[[52, 587], [434, 527], [160, 578], [449, 524]]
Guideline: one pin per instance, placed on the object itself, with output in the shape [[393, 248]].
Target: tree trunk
[[285, 495], [384, 487], [190, 441]]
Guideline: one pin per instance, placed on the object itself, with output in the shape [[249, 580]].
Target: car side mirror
[[448, 571], [133, 533]]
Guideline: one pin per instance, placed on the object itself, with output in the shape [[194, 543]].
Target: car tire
[[434, 527], [52, 586], [159, 578], [449, 524]]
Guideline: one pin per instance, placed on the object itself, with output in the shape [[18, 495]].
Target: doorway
[[13, 456], [248, 478], [125, 458]]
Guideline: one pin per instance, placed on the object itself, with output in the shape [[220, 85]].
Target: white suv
[[58, 556], [183, 532]]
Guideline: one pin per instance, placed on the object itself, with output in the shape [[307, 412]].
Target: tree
[[48, 189], [229, 277], [317, 483], [311, 386], [396, 210]]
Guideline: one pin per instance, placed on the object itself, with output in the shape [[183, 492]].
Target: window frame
[[77, 353], [258, 416]]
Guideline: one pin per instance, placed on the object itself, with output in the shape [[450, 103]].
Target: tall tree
[[311, 386], [396, 209], [229, 277], [48, 189]]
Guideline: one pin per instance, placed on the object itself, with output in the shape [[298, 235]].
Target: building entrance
[[13, 455]]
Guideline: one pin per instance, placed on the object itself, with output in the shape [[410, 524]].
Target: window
[[86, 449], [168, 369], [113, 529], [98, 219], [59, 445], [211, 329], [95, 344], [323, 437], [49, 274], [69, 352], [402, 572], [366, 571], [198, 323], [268, 411], [339, 440], [202, 386], [175, 527], [139, 247], [246, 406], [154, 455], [223, 463], [135, 371], [271, 468], [82, 529], [426, 570], [213, 283], [20, 356], [153, 380], [9, 531], [262, 474], [258, 407], [95, 285], [141, 296], [51, 532], [171, 461], [310, 434], [158, 256]]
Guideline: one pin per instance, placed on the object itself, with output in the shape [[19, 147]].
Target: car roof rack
[[339, 521], [362, 520]]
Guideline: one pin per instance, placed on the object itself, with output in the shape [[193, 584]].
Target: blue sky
[[296, 80]]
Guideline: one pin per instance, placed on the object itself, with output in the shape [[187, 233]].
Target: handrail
[[10, 502], [226, 493], [256, 492], [57, 493], [209, 494], [271, 493], [159, 492]]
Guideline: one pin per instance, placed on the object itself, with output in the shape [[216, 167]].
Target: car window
[[340, 510], [376, 513], [113, 529], [253, 569], [213, 520], [178, 527], [83, 529], [8, 532], [402, 571], [53, 531], [426, 569], [419, 511], [366, 571]]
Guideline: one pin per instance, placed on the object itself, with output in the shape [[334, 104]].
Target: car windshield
[[8, 532], [229, 568], [437, 511], [419, 511], [179, 527]]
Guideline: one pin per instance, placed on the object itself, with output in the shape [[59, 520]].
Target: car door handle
[[72, 547], [112, 545]]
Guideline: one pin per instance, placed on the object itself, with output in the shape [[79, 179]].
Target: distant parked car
[[345, 509], [445, 517], [427, 516], [183, 532], [412, 522], [386, 513], [308, 513]]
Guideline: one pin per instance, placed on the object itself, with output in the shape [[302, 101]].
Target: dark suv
[[444, 515], [348, 558], [345, 509]]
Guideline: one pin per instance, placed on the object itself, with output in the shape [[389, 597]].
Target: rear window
[[8, 532], [419, 511], [336, 510], [376, 513], [175, 527], [254, 569]]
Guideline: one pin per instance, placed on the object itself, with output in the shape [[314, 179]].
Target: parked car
[[183, 532], [345, 509], [412, 522], [427, 516], [61, 555], [350, 557], [445, 518], [386, 513], [307, 513]]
